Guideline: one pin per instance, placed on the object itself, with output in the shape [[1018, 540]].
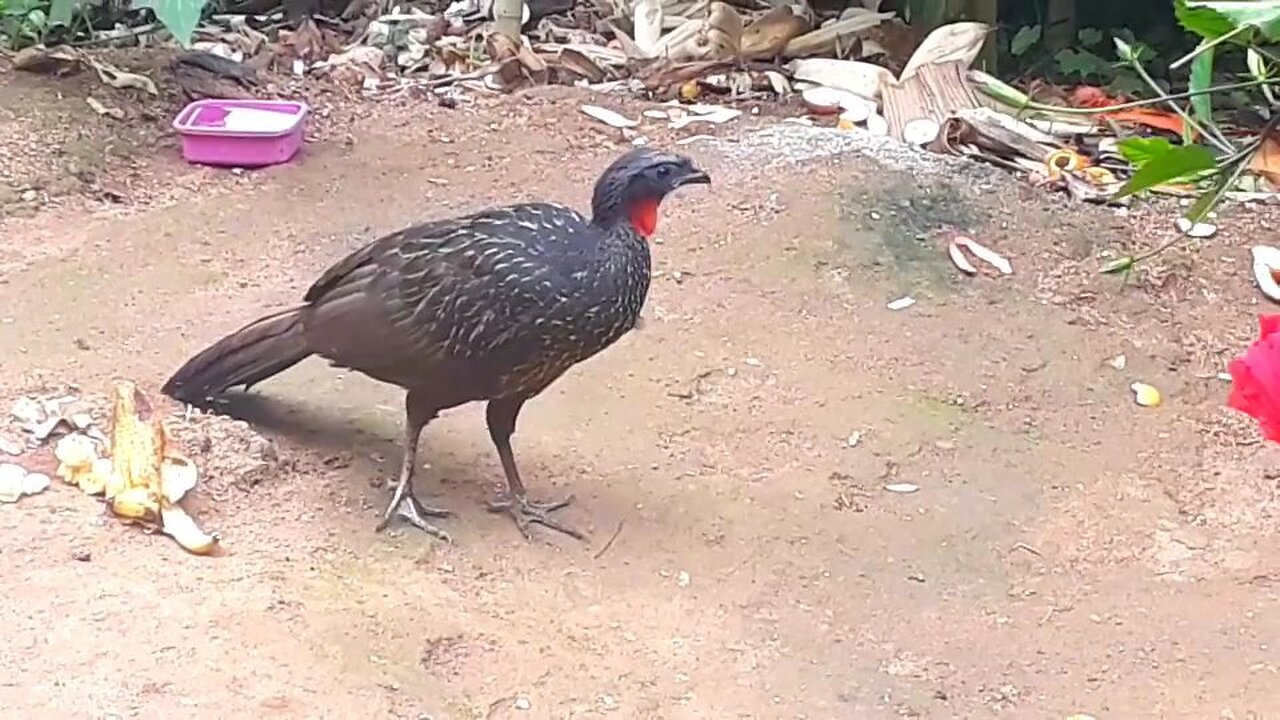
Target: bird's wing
[[440, 302]]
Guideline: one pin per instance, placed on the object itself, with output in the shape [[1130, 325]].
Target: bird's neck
[[640, 215]]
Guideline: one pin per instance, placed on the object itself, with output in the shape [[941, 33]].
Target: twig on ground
[[617, 531]]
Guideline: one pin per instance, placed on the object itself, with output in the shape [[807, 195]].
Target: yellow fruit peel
[[180, 526], [144, 479], [136, 504], [178, 476]]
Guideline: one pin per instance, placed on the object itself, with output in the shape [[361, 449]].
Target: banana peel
[[144, 480]]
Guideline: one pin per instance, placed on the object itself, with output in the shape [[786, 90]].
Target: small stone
[[683, 579], [523, 703], [81, 555]]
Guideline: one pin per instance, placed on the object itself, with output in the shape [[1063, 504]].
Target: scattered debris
[[98, 107], [901, 303], [1145, 395], [902, 488], [16, 482], [45, 417], [1266, 270], [960, 243], [1196, 230], [1118, 362], [609, 117]]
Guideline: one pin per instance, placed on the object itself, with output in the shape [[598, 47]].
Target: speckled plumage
[[493, 306]]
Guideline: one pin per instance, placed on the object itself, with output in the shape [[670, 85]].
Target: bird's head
[[632, 188]]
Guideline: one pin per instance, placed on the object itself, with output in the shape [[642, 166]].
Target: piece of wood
[[934, 92]]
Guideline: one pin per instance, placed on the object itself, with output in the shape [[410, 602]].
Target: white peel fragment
[[1196, 230], [983, 253], [609, 117], [1266, 263]]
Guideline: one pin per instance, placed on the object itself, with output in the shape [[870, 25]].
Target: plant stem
[[1214, 137], [1149, 101], [1205, 46], [136, 32]]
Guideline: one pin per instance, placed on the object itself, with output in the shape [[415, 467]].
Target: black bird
[[490, 306]]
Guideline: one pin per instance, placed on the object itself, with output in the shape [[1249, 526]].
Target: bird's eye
[[664, 171]]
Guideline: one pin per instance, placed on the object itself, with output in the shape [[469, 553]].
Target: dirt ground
[[1066, 552]]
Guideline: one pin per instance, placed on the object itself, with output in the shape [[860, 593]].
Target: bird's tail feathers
[[247, 356]]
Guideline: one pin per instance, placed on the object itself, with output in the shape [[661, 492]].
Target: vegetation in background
[[34, 22]]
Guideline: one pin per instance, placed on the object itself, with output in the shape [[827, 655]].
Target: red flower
[[1255, 378]]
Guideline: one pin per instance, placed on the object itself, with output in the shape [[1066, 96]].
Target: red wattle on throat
[[644, 216]]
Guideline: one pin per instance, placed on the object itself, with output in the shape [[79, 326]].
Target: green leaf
[[1227, 179], [1124, 50], [1089, 37], [1140, 150], [1261, 14], [60, 11], [1201, 80], [179, 17], [1082, 63], [1177, 162], [1123, 264], [1027, 36], [1206, 23]]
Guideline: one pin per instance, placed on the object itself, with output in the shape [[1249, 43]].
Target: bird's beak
[[694, 177]]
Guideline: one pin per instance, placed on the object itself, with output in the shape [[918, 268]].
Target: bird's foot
[[527, 512], [404, 506]]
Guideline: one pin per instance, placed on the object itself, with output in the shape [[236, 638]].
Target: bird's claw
[[413, 512], [527, 512]]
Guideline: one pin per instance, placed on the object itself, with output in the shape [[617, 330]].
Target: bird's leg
[[403, 504], [501, 416]]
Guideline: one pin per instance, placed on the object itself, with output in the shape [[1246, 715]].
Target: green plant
[[1083, 62], [179, 17], [24, 22], [1223, 27], [1243, 26]]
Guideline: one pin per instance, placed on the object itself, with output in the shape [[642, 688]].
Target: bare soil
[[1066, 552]]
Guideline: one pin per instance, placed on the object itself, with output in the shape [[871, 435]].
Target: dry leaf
[[1266, 162], [101, 109], [765, 38], [646, 16], [960, 42], [579, 64], [836, 36], [57, 60], [859, 78], [117, 78], [717, 36]]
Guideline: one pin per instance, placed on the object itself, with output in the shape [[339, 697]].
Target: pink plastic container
[[241, 133]]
